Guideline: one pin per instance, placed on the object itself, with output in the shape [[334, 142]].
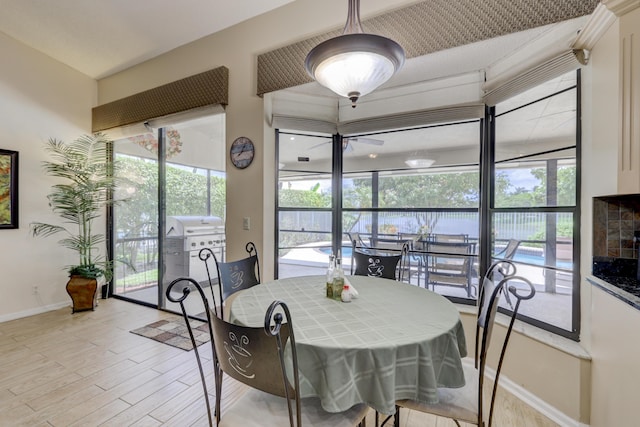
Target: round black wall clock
[[242, 152]]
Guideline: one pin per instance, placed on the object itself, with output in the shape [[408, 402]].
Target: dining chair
[[393, 246], [387, 259], [507, 253], [233, 276], [449, 264], [256, 356], [467, 404], [196, 309]]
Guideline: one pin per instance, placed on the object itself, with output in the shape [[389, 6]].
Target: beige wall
[[612, 334], [39, 98], [42, 98], [559, 378], [250, 192]]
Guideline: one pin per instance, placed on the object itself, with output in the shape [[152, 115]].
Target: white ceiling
[[102, 37]]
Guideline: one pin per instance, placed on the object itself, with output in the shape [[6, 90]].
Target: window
[[304, 205], [191, 177], [535, 192], [420, 183], [424, 184], [388, 191]]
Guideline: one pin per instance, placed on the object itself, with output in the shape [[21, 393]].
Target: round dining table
[[394, 341]]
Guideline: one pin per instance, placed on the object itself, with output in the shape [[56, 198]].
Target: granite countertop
[[627, 284], [617, 276], [623, 288]]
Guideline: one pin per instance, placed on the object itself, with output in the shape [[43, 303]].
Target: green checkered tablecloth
[[395, 341]]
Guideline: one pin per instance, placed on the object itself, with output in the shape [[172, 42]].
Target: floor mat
[[175, 333]]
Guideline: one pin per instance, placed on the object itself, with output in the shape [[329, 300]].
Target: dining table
[[393, 341]]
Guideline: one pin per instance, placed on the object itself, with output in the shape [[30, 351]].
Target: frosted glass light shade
[[353, 65], [419, 163]]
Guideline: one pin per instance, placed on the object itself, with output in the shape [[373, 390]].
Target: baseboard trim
[[535, 402], [33, 311]]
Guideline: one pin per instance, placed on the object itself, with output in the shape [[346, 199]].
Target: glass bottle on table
[[330, 273], [338, 280]]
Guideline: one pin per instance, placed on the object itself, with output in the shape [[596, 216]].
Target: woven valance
[[427, 27], [204, 89]]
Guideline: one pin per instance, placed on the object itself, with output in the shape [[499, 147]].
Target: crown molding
[[595, 27], [621, 7]]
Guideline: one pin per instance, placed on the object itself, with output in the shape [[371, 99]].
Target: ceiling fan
[[347, 146]]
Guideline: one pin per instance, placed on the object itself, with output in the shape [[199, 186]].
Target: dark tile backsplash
[[615, 218]]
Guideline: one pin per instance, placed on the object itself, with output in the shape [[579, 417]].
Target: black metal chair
[[467, 404], [507, 253], [233, 276], [185, 286], [376, 264], [255, 356]]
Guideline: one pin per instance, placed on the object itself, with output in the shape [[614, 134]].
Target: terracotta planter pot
[[82, 291]]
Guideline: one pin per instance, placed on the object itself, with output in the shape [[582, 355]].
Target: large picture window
[[535, 192], [423, 186]]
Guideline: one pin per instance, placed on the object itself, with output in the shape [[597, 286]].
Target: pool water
[[522, 257]]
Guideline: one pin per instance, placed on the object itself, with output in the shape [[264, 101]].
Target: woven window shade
[[455, 113], [551, 69], [303, 124], [426, 27], [380, 123], [201, 90]]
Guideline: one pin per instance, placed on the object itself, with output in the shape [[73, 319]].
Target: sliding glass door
[[174, 182]]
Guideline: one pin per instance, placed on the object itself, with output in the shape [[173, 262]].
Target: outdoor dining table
[[394, 341]]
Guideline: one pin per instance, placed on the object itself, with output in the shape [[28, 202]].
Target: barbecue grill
[[186, 236]]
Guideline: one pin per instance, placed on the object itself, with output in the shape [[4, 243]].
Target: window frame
[[486, 208]]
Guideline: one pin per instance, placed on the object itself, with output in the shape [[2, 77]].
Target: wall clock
[[242, 152]]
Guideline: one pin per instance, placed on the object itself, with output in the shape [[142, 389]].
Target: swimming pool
[[521, 256]]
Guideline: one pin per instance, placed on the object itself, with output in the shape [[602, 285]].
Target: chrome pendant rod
[[353, 25]]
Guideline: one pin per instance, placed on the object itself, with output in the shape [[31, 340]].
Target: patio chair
[[417, 252], [509, 251], [450, 238], [256, 357], [233, 276], [467, 404], [449, 264], [356, 240]]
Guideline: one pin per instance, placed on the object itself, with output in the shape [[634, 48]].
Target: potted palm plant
[[87, 182]]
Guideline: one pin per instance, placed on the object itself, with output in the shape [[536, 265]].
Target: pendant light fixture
[[354, 64]]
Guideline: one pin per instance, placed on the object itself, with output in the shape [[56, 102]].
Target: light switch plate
[[246, 223]]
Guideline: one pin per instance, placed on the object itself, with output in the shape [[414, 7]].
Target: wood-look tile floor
[[87, 369]]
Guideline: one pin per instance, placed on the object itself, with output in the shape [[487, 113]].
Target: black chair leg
[[396, 418]]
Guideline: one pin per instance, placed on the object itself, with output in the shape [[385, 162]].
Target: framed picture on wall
[[8, 189]]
